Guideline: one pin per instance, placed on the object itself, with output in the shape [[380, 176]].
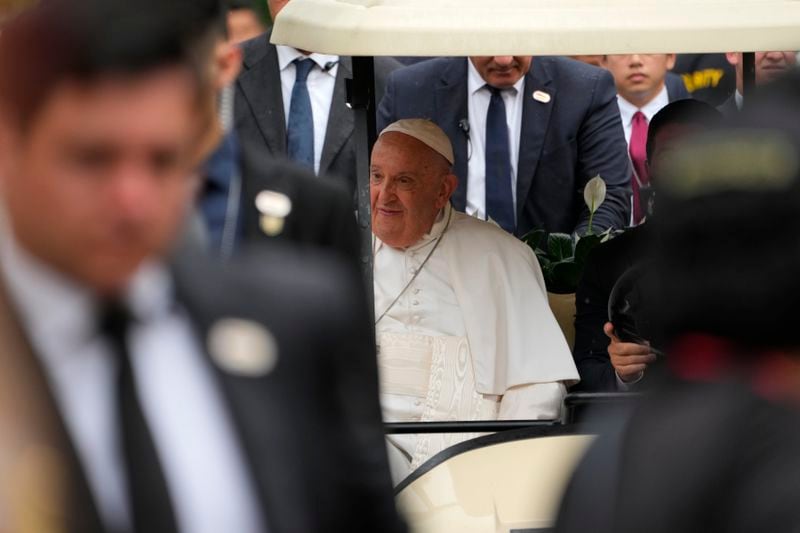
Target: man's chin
[[109, 276]]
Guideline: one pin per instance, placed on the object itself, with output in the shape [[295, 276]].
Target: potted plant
[[562, 258]]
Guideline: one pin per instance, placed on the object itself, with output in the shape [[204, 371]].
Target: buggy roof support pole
[[361, 99], [748, 75]]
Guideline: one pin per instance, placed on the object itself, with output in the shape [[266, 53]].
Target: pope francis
[[463, 325]]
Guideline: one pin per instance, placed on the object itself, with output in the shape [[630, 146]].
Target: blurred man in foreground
[[455, 298], [183, 397], [713, 447]]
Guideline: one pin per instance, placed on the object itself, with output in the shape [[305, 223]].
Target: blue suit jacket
[[564, 142]]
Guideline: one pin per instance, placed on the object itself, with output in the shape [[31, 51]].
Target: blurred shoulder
[[280, 280], [262, 170]]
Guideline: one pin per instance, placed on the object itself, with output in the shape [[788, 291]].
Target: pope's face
[[639, 77], [409, 184], [502, 71], [100, 180]]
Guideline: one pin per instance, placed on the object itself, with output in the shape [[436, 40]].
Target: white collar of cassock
[[436, 230]]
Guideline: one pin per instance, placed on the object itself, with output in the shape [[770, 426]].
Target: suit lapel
[[535, 121], [34, 439], [261, 420], [260, 83], [451, 107], [340, 119]]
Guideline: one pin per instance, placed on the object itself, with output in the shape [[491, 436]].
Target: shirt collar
[[436, 230], [475, 81], [627, 109], [738, 99], [51, 305], [287, 54]]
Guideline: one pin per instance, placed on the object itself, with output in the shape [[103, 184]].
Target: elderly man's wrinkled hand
[[629, 359]]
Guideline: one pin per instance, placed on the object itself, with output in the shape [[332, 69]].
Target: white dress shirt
[[479, 97], [320, 82], [627, 110], [208, 481], [738, 99]]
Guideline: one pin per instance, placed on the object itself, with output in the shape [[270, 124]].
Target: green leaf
[[560, 246], [544, 262], [535, 238], [584, 246], [610, 233]]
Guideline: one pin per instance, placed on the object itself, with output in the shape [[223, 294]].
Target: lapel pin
[[271, 226], [541, 96], [274, 208], [242, 347]]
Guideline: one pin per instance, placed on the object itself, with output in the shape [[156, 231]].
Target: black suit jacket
[[322, 211], [260, 117], [604, 266], [691, 457], [564, 142], [310, 430]]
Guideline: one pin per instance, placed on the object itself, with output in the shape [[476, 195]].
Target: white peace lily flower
[[594, 194]]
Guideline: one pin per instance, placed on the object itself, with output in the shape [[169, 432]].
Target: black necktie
[[499, 199], [149, 498]]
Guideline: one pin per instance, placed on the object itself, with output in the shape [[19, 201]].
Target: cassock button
[[412, 270], [415, 302], [416, 291]]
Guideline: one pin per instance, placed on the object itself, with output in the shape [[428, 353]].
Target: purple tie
[[638, 153]]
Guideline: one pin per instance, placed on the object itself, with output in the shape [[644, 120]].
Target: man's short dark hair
[[687, 112], [85, 39]]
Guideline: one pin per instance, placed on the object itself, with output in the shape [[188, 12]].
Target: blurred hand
[[629, 359]]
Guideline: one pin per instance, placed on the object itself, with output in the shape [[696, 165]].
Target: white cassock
[[471, 338]]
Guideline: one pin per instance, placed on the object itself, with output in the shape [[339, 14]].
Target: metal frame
[[361, 99]]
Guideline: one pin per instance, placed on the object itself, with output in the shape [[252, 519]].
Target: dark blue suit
[[564, 142]]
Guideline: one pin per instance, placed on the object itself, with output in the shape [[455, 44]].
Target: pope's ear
[[449, 184]]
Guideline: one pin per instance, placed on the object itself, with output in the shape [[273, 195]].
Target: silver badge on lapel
[[541, 96], [274, 208], [242, 347]]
